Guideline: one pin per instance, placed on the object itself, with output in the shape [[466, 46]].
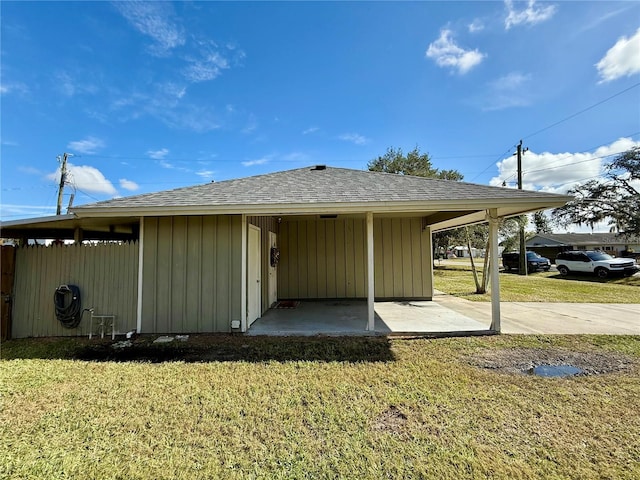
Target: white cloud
[[252, 124], [30, 170], [158, 154], [259, 161], [13, 210], [206, 174], [558, 172], [86, 178], [154, 19], [508, 91], [310, 130], [355, 138], [449, 55], [207, 67], [69, 86], [621, 60], [476, 26], [88, 145], [6, 88], [128, 185], [296, 157], [531, 15]]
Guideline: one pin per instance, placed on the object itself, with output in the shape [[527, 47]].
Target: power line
[[491, 164], [575, 163], [582, 111], [561, 166], [559, 122]]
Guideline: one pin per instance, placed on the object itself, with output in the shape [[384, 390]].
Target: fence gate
[[7, 264]]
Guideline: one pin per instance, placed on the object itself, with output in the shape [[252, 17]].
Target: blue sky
[[154, 96]]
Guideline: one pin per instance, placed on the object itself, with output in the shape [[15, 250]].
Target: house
[[550, 244], [215, 257], [462, 251]]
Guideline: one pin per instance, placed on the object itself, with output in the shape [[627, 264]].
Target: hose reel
[[68, 305]]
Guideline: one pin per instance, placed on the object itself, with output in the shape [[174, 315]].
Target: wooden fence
[[107, 274]]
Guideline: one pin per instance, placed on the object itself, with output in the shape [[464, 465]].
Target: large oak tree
[[614, 199]]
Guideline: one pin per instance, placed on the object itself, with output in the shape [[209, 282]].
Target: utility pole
[[522, 270], [63, 178]]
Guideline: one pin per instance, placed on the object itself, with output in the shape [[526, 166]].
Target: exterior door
[[254, 300], [273, 272]]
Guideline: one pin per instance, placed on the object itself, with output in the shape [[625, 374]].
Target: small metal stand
[[104, 322]]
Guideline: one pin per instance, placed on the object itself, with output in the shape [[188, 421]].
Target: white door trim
[[254, 266]]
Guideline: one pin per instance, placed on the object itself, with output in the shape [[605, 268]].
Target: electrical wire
[[582, 111], [561, 121]]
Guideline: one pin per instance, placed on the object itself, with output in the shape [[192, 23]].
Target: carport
[[216, 257]]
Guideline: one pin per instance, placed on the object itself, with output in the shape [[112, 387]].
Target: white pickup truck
[[588, 261]]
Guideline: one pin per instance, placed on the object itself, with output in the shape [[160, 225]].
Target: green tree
[[614, 199], [413, 163], [541, 223]]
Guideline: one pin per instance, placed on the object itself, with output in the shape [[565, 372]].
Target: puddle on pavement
[[554, 370]]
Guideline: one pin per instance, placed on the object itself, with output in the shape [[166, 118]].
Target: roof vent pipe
[[319, 167]]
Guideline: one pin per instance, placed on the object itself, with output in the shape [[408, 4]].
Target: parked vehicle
[[535, 262], [598, 263]]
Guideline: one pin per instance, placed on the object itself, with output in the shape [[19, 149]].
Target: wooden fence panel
[[107, 274]]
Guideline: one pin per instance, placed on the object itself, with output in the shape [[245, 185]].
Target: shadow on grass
[[206, 348], [618, 279]]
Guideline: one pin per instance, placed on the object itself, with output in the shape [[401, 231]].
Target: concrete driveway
[[552, 318]]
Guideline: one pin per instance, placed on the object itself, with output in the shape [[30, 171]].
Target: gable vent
[[319, 167]]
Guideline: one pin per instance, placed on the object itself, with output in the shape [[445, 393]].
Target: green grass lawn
[[371, 408], [457, 280]]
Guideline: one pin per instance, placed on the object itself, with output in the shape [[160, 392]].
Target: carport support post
[[370, 275], [494, 270]]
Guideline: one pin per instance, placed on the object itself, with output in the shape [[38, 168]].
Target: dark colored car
[[511, 261]]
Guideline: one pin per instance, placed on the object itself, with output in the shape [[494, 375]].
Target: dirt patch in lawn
[[392, 420], [213, 348], [524, 360]]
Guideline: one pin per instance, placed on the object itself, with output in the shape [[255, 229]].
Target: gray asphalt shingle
[[309, 185]]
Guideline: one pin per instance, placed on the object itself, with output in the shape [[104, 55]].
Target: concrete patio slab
[[348, 317]]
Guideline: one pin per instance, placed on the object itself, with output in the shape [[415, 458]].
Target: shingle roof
[[595, 239], [311, 185]]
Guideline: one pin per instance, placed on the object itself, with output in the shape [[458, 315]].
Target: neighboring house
[[551, 244], [463, 252], [204, 258]]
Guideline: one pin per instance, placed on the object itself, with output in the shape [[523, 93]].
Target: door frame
[[252, 289]]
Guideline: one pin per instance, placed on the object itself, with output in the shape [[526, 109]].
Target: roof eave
[[43, 220], [521, 205]]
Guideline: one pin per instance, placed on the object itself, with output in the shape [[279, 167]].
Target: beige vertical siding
[[266, 225], [402, 259], [327, 259], [191, 270], [107, 275]]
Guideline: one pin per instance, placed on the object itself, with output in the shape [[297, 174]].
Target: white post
[[430, 259], [140, 276], [243, 266], [370, 275], [494, 270]]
